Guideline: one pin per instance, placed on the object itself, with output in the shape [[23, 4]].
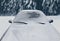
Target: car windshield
[[34, 15], [29, 15]]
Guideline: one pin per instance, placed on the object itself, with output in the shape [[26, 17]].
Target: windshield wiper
[[21, 22]]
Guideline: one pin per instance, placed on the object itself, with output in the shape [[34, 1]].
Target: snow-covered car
[[31, 25]]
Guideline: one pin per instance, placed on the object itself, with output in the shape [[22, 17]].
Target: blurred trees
[[50, 7], [9, 7], [12, 7]]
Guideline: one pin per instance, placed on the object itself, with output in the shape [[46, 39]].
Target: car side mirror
[[10, 21], [51, 21]]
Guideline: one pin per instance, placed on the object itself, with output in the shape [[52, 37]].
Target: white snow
[[4, 24], [56, 22]]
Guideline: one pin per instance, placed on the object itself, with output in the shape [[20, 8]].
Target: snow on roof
[[30, 15]]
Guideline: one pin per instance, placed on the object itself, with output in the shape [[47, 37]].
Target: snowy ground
[[4, 24]]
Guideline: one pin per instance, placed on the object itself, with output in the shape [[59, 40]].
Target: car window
[[34, 15]]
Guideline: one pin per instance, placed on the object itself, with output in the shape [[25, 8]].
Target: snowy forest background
[[12, 7]]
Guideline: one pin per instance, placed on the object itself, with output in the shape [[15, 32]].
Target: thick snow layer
[[4, 24], [32, 31], [30, 15], [56, 22]]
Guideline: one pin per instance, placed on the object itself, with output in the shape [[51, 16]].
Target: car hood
[[32, 32]]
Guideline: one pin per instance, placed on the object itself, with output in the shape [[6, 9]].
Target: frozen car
[[31, 25]]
